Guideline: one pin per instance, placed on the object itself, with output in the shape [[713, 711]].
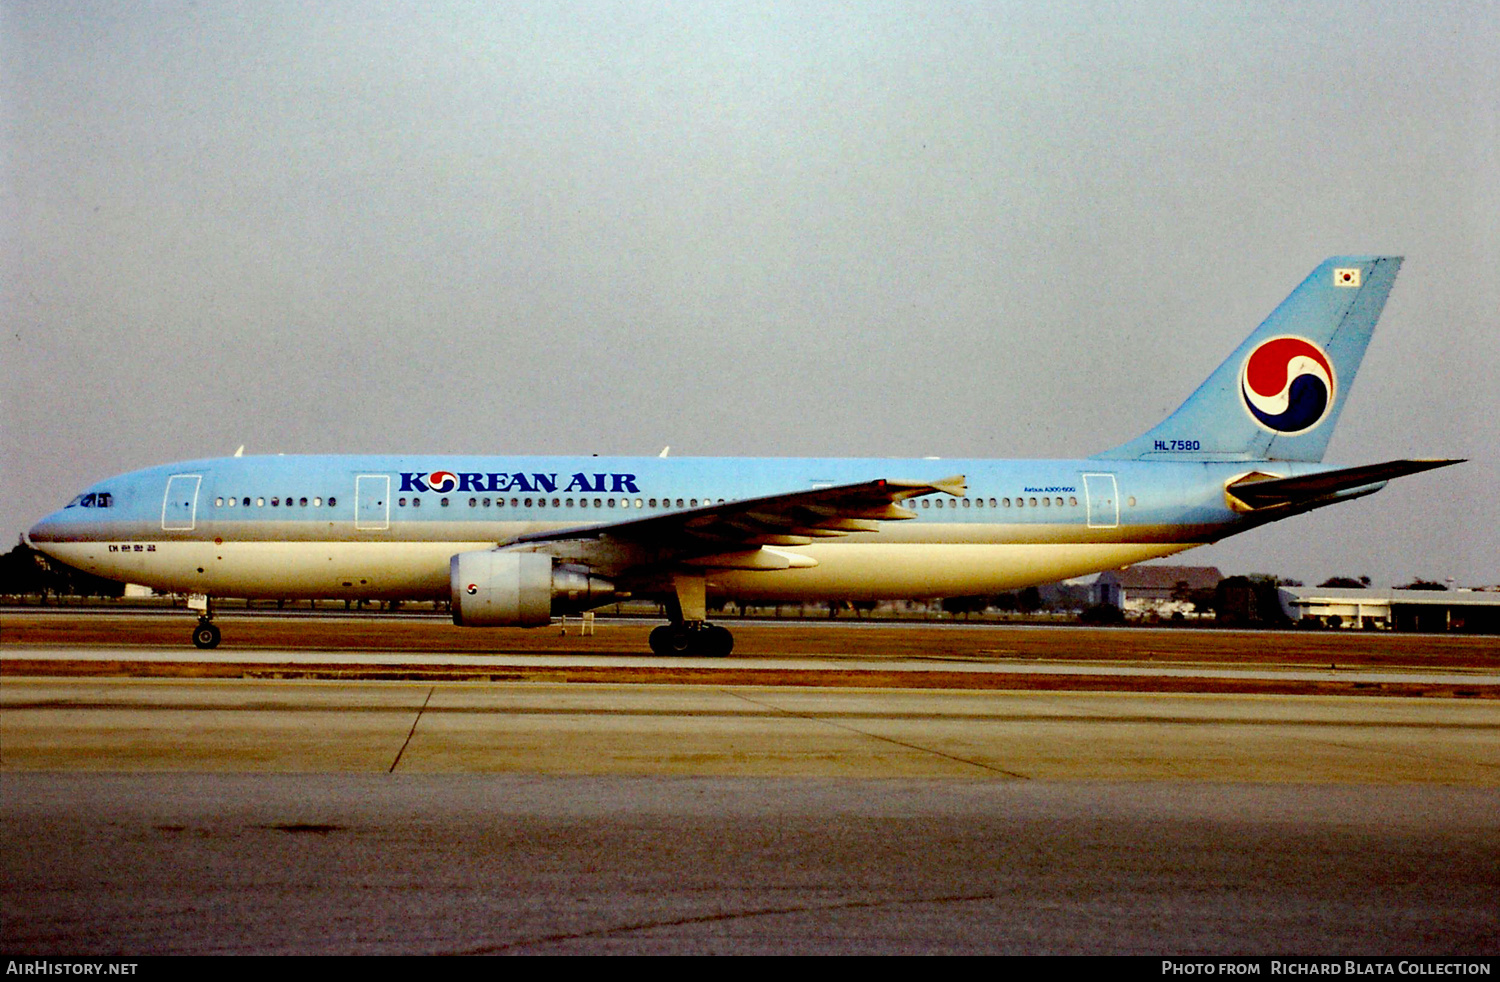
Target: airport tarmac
[[474, 864], [176, 814]]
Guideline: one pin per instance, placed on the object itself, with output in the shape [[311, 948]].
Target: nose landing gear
[[205, 635]]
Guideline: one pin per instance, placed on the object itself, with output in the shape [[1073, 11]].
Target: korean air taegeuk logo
[[1288, 384]]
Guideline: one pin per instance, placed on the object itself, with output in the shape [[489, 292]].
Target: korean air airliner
[[516, 541]]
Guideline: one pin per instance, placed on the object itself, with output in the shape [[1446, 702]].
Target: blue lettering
[[625, 483], [471, 482], [518, 482], [411, 482], [580, 482], [545, 482]]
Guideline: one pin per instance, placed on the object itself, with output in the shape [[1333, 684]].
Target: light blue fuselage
[[385, 526]]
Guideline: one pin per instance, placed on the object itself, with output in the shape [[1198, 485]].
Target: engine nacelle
[[519, 589]]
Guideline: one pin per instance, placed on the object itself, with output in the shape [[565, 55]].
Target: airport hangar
[[1459, 611]]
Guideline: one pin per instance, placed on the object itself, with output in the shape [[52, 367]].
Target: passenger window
[[444, 502], [926, 503], [332, 502], [218, 502], [275, 502], [611, 502], [1073, 502], [1046, 502], [1130, 501], [473, 502], [415, 502]]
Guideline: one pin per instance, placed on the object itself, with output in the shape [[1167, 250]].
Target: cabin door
[[372, 502], [1104, 500], [179, 509]]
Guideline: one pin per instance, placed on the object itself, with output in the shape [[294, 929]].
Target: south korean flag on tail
[[1346, 277]]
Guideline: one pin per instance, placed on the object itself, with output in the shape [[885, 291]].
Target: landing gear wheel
[[205, 635], [715, 641], [672, 639], [705, 641]]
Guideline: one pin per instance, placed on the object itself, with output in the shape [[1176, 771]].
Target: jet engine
[[520, 589]]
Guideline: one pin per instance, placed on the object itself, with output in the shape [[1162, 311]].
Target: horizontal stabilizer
[[1260, 491]]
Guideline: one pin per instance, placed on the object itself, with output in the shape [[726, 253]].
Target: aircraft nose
[[47, 530]]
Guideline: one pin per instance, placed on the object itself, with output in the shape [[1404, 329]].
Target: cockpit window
[[97, 499]]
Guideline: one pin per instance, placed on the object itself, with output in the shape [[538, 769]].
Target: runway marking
[[413, 731], [875, 736], [725, 917], [1079, 715], [1094, 679], [1413, 755]]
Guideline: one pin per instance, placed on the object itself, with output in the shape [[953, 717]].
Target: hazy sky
[[872, 229]]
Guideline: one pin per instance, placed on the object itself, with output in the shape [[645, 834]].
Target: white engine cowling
[[519, 589]]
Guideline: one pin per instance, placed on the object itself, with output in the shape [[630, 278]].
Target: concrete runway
[[232, 815], [426, 864], [234, 726]]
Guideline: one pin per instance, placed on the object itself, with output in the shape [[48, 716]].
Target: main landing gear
[[682, 638], [689, 633]]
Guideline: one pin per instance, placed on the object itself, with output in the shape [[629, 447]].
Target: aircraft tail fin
[[1278, 396]]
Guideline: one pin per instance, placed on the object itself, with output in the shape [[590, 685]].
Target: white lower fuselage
[[372, 528]]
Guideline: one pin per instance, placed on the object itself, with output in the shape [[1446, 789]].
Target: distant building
[[1467, 611], [1145, 590]]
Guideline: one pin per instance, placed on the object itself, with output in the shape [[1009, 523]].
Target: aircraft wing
[[1259, 491], [744, 533]]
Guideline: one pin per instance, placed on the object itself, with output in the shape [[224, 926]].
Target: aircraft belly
[[891, 571], [277, 570]]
